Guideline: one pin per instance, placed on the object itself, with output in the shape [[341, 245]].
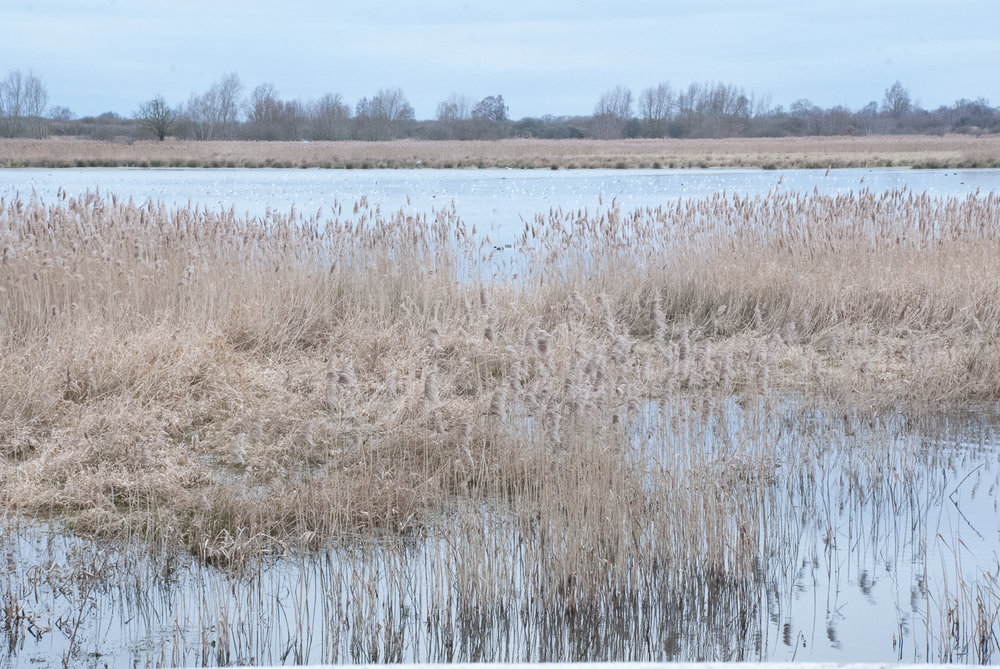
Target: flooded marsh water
[[493, 200], [622, 491], [868, 540]]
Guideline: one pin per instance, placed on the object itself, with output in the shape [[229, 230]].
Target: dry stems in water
[[236, 385]]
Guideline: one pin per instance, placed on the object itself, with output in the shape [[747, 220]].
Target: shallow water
[[495, 200], [878, 542]]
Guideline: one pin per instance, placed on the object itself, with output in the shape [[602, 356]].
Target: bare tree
[[455, 108], [227, 92], [201, 113], [970, 114], [62, 121], [655, 107], [866, 118], [807, 117], [214, 112], [61, 113], [36, 99], [713, 110], [383, 116], [23, 99], [270, 118], [723, 110], [491, 108], [12, 103], [391, 104], [615, 102], [489, 117], [837, 121], [688, 101], [263, 105], [155, 115], [896, 101], [612, 112], [329, 118], [454, 116]]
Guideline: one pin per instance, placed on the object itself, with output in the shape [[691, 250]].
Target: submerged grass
[[550, 416], [923, 151]]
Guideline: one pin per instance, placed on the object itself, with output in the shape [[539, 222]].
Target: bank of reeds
[[584, 420], [242, 385], [922, 151]]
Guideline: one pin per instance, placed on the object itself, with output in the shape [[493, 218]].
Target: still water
[[878, 543], [495, 200], [872, 554]]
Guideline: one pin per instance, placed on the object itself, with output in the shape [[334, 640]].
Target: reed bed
[[290, 376], [592, 422], [949, 151], [485, 584]]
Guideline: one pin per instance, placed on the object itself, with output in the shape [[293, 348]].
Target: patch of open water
[[494, 200], [879, 542]]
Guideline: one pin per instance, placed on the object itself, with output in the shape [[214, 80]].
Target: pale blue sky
[[543, 57]]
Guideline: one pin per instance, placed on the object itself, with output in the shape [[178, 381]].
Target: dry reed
[[246, 387], [288, 375], [595, 561], [948, 151]]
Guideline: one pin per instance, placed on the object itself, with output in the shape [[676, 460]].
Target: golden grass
[[789, 152], [198, 378]]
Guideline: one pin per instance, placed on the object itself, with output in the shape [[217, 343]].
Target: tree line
[[227, 111]]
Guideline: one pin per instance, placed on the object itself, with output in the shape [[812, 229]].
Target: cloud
[[543, 57]]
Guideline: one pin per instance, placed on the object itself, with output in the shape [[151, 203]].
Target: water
[[878, 542], [883, 547], [494, 200]]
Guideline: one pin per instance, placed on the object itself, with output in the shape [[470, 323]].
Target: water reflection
[[864, 537]]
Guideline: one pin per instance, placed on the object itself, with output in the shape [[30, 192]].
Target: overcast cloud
[[543, 57]]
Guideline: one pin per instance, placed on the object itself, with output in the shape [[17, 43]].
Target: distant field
[[922, 151]]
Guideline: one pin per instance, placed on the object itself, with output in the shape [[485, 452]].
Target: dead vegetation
[[285, 379], [599, 409], [923, 151]]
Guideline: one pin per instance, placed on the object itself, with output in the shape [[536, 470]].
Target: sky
[[542, 57]]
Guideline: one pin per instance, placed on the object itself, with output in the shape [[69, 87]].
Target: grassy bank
[[231, 384], [920, 151]]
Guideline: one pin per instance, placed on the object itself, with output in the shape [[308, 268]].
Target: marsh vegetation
[[374, 436], [923, 151]]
